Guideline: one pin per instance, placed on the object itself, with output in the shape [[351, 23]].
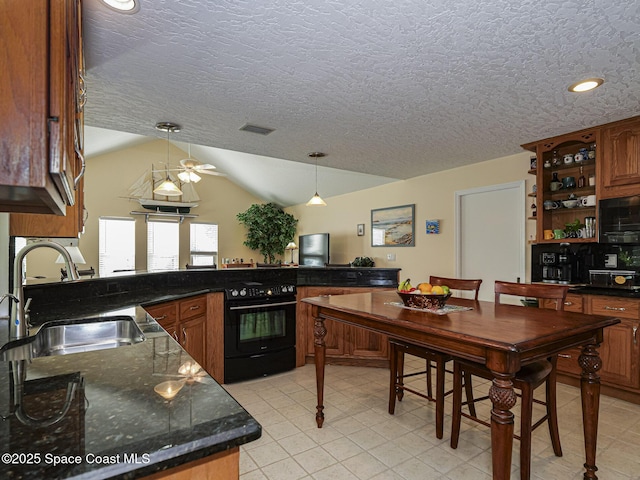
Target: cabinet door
[[619, 354], [193, 338], [365, 343], [620, 161]]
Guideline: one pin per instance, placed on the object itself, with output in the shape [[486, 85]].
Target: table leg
[[319, 332], [590, 362], [504, 398]]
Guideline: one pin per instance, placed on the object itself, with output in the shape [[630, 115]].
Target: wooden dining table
[[502, 337]]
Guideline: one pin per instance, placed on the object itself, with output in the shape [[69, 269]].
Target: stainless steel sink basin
[[64, 338]]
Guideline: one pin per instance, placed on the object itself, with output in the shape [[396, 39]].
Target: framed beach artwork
[[393, 227]]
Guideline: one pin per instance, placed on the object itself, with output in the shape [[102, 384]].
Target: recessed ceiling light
[[123, 6], [586, 85]]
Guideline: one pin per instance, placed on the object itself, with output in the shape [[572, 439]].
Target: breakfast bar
[[502, 337]]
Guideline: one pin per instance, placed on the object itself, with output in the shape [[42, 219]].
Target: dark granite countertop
[[117, 426]]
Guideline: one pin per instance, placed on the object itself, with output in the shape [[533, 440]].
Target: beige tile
[[360, 440]]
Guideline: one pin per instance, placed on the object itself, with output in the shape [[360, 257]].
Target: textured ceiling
[[391, 89]]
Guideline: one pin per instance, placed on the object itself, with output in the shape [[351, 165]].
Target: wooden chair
[[399, 348], [526, 380]]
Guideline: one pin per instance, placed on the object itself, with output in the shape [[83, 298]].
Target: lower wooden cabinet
[[186, 321], [620, 349], [345, 344]]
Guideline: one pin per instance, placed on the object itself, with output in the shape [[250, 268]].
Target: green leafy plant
[[269, 229], [363, 262]]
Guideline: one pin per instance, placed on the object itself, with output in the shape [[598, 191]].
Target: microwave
[[620, 220]]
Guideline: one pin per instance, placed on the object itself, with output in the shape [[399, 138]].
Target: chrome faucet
[[18, 321]]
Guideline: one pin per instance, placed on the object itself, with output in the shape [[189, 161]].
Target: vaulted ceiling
[[388, 90]]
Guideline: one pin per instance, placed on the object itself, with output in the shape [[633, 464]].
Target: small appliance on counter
[[624, 279]]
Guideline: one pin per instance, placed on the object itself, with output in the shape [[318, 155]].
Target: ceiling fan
[[190, 169]]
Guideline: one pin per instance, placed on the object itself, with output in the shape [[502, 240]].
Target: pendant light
[[167, 187], [316, 200]]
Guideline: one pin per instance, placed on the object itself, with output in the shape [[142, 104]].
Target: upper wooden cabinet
[[620, 160], [41, 104], [613, 156]]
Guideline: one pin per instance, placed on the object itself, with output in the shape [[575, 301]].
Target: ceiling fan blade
[[209, 172], [190, 163]]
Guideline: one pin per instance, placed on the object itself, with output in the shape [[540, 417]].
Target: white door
[[490, 235]]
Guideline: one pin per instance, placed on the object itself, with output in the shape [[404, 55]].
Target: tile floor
[[361, 441]]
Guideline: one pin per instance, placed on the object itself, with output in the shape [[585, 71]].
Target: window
[[117, 246], [163, 242], [203, 241]]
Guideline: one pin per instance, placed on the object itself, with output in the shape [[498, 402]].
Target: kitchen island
[[111, 422]]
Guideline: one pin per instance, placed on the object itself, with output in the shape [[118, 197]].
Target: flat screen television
[[314, 249]]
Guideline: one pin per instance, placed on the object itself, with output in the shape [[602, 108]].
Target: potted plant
[[269, 229]]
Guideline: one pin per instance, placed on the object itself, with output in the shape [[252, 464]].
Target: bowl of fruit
[[424, 295]]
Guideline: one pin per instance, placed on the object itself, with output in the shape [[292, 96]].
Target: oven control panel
[[261, 291]]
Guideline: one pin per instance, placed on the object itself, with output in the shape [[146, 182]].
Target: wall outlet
[[391, 257]]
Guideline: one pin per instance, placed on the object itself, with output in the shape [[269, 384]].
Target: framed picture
[[393, 227], [360, 229], [432, 226]]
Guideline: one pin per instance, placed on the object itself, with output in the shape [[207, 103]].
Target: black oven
[[259, 331]]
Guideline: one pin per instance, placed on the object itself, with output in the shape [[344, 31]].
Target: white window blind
[[203, 243], [163, 246], [117, 246]]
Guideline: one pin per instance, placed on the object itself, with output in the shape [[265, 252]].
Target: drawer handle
[[635, 335], [617, 309], [184, 335], [160, 318], [568, 303], [194, 307], [175, 336], [564, 355]]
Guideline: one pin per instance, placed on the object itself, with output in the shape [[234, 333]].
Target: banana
[[405, 286]]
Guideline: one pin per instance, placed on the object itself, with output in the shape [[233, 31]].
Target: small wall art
[[433, 226], [393, 227], [360, 229]]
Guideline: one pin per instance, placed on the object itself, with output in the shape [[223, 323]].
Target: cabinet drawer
[[615, 306], [573, 303], [192, 307], [164, 314], [568, 361]]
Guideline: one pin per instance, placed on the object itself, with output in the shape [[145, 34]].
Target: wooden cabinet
[[186, 321], [620, 353], [345, 344], [620, 165], [551, 166], [43, 97]]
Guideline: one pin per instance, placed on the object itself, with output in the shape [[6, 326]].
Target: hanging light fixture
[[167, 187], [316, 200]]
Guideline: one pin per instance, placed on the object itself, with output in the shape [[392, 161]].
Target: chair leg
[[456, 416], [552, 413], [393, 377], [468, 389], [400, 373], [429, 382], [439, 395], [526, 415]]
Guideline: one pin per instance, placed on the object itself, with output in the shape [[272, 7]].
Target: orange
[[424, 287]]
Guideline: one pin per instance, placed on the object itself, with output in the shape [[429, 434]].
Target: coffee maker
[[550, 268], [566, 264]]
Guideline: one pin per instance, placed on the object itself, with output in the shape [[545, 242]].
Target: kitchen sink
[[76, 336]]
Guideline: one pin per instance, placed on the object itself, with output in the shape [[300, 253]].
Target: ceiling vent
[[256, 129]]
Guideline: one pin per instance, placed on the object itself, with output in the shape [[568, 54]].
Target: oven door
[[259, 326]]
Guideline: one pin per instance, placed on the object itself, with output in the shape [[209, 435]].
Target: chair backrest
[[533, 290], [457, 283]]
